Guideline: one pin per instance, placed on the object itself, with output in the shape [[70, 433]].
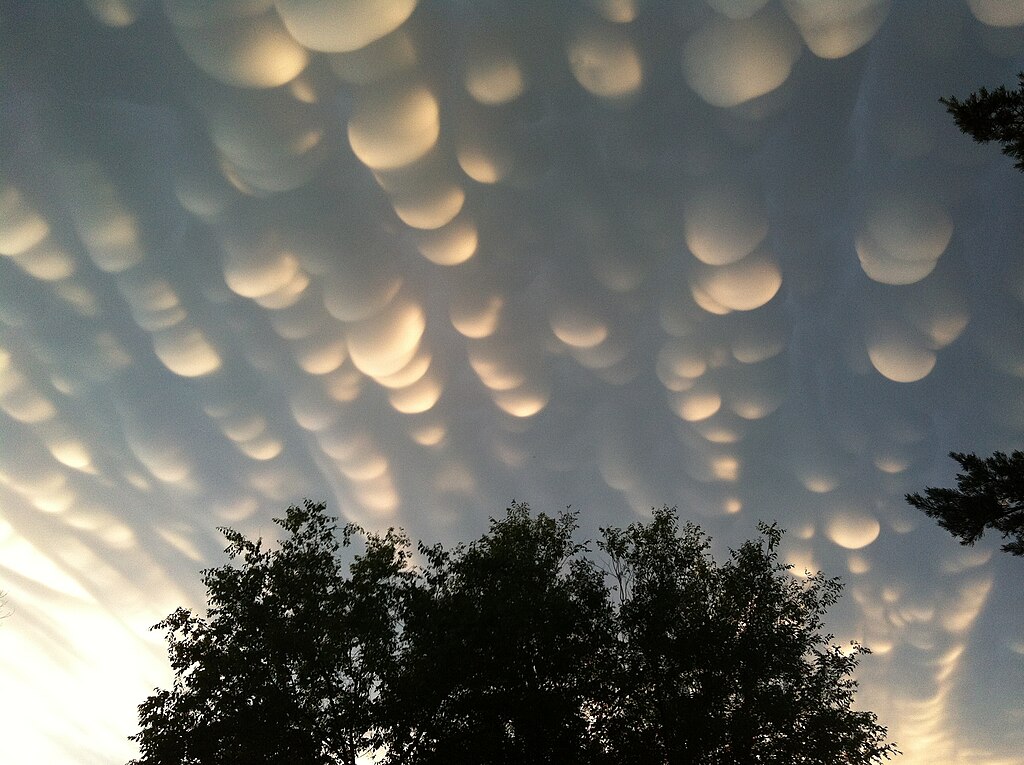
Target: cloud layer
[[421, 258]]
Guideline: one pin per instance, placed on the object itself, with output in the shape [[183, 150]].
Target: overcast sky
[[421, 259]]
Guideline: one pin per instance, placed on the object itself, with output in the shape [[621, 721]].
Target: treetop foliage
[[989, 494], [996, 115], [523, 646]]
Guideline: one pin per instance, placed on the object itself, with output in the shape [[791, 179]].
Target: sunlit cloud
[[394, 126], [326, 26], [729, 62], [834, 28], [250, 48], [418, 259], [997, 13], [604, 61]]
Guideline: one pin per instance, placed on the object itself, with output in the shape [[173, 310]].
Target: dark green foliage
[[727, 664], [517, 648], [285, 666], [996, 115], [505, 641], [989, 495]]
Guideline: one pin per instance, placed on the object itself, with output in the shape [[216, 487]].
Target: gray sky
[[419, 259]]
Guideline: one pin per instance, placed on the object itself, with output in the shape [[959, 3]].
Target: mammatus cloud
[[421, 258]]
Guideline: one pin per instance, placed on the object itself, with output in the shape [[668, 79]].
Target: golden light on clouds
[[255, 273], [731, 61], [429, 208], [418, 397], [724, 221], [605, 62], [898, 355], [261, 448], [417, 258], [286, 294], [495, 367], [19, 398], [450, 245], [741, 286], [524, 401], [960, 611], [313, 408], [153, 302], [21, 227], [345, 25], [115, 13], [345, 384], [708, 303], [165, 460], [382, 344], [184, 350], [903, 236], [697, 404], [836, 28], [476, 315], [48, 262], [817, 481], [888, 270], [109, 232], [360, 288], [618, 11], [493, 76], [725, 468], [759, 341], [394, 126], [852, 529], [248, 51], [576, 328], [428, 435], [997, 13], [241, 427], [410, 373], [755, 403], [479, 164], [680, 362], [72, 453], [364, 467]]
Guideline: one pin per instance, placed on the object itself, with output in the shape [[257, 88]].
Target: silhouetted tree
[[989, 495], [506, 642], [285, 666], [516, 648], [727, 665], [996, 115]]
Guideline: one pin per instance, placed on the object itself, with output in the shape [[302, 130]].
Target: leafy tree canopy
[[996, 115], [989, 494], [286, 663], [523, 646]]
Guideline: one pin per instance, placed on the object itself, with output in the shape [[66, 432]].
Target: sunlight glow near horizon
[[417, 259]]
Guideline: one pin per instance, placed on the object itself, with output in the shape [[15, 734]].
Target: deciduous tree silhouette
[[996, 115], [727, 664], [285, 666], [507, 642], [989, 495], [522, 647]]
